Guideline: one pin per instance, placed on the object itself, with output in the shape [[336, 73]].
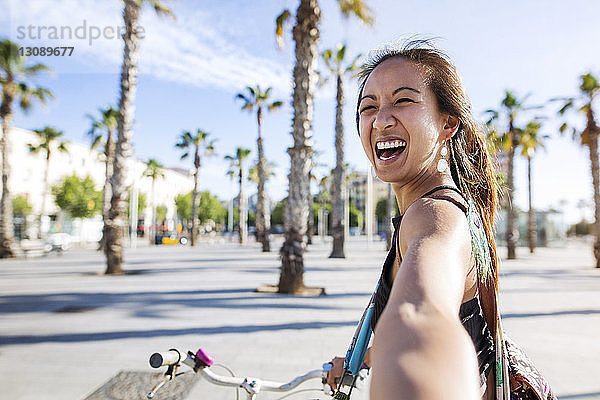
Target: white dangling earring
[[442, 164]]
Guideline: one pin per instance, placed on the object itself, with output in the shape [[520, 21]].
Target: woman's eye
[[366, 108], [404, 100]]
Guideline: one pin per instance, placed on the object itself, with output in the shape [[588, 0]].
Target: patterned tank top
[[470, 313]]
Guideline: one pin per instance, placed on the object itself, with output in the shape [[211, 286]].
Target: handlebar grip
[[170, 357]]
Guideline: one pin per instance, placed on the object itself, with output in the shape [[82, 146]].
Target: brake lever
[[169, 376]]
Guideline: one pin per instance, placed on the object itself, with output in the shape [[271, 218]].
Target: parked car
[[170, 239], [277, 229]]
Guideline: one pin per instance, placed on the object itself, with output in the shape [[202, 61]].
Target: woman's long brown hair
[[471, 166]]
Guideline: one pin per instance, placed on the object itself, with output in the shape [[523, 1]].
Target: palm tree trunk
[[153, 228], [510, 211], [263, 223], [195, 199], [6, 215], [124, 150], [242, 200], [389, 226], [109, 152], [531, 223], [306, 37], [337, 200], [310, 223], [592, 132], [44, 194]]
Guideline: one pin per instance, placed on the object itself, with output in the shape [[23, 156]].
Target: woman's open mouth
[[386, 150]]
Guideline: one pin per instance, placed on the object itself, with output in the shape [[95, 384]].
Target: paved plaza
[[65, 329]]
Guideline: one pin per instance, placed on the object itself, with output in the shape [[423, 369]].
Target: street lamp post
[[133, 216], [230, 218]]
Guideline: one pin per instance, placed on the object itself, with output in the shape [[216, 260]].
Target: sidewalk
[[65, 329]]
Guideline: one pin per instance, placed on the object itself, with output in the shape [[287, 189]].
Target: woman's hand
[[337, 368], [335, 372]]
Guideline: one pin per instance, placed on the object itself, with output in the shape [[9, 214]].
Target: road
[[66, 329]]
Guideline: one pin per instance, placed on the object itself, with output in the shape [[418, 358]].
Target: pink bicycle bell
[[205, 357]]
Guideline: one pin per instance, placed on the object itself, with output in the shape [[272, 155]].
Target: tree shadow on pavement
[[150, 304], [551, 314], [119, 335], [583, 274]]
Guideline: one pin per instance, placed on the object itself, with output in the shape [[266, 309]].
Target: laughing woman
[[435, 306]]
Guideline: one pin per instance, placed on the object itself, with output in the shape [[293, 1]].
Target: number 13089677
[[46, 51]]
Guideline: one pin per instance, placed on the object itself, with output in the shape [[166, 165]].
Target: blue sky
[[191, 69]]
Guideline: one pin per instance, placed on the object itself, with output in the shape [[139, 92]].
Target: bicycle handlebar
[[201, 360]]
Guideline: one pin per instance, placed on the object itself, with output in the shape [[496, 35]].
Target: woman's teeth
[[389, 149], [390, 144]]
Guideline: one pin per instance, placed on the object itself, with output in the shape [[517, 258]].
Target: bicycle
[[201, 363]]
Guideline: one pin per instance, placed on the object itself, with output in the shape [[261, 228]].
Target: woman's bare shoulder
[[434, 216]]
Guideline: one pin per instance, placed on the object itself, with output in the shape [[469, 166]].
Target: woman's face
[[400, 126]]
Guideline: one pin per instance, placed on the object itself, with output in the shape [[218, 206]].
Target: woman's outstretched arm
[[420, 348]]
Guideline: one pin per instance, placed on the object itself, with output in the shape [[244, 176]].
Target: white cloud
[[189, 50]]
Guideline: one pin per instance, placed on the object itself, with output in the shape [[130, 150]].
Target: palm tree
[[15, 76], [236, 168], [105, 125], [255, 98], [269, 171], [507, 141], [588, 137], [154, 170], [334, 60], [200, 145], [117, 219], [306, 38], [49, 138], [530, 140]]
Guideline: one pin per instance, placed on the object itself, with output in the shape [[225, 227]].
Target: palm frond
[[36, 68], [279, 22], [589, 84], [161, 9], [352, 66], [275, 105], [326, 55], [340, 53], [566, 106], [62, 147], [33, 149], [96, 140], [42, 94], [563, 127], [357, 8], [25, 103]]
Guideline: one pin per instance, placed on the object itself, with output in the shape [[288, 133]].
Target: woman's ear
[[451, 125]]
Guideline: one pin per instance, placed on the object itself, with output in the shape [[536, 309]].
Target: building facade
[[27, 179]]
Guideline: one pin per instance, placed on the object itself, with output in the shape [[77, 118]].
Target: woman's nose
[[384, 120]]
